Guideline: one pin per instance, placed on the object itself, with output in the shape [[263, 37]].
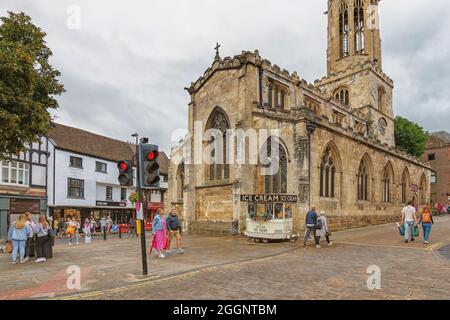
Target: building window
[[432, 157], [100, 167], [109, 193], [277, 96], [363, 181], [14, 172], [165, 178], [342, 96], [76, 162], [327, 175], [433, 177], [381, 100], [405, 186], [75, 188], [344, 30], [422, 190], [180, 181], [387, 183], [123, 194], [219, 167], [359, 26], [275, 178]]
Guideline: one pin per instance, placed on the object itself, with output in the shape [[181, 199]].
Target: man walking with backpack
[[311, 227]]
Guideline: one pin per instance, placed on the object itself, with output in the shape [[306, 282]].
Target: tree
[[410, 137], [28, 84]]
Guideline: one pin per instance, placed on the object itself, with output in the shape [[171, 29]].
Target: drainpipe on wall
[[310, 128]]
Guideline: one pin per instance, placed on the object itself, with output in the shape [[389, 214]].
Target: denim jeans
[[310, 230], [426, 230], [18, 245], [409, 226]]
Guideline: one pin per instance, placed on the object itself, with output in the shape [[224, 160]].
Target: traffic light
[[149, 156], [125, 173]]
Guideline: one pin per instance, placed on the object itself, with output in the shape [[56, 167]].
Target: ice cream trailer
[[269, 217]]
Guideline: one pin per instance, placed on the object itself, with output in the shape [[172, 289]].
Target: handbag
[[401, 229]]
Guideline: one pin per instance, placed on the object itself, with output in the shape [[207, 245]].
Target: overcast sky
[[126, 66]]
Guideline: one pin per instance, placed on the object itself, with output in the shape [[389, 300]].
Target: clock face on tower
[[382, 124]]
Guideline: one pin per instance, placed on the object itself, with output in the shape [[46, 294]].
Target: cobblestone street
[[232, 268]]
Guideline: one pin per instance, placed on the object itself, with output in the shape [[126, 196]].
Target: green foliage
[[133, 198], [410, 137], [28, 83]]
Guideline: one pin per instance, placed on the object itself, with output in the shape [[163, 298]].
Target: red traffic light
[[152, 155], [123, 166]]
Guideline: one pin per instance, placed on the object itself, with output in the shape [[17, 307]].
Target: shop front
[[118, 212], [13, 206]]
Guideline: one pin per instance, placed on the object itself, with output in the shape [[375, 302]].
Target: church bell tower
[[353, 34]]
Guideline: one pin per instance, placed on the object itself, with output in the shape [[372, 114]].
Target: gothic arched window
[[406, 184], [422, 190], [363, 181], [342, 95], [388, 179], [359, 26], [381, 100], [275, 179], [180, 181], [327, 175], [219, 167], [344, 30]]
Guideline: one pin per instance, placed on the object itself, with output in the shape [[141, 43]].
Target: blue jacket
[[157, 223], [41, 231], [18, 234], [311, 218]]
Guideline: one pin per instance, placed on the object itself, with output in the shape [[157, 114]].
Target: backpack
[[319, 224], [426, 216]]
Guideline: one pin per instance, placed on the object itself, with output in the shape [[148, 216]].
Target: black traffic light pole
[[141, 221]]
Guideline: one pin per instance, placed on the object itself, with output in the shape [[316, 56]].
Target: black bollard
[[120, 232]]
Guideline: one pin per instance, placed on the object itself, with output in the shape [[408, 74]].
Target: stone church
[[335, 138]]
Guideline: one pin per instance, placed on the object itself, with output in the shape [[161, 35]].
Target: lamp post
[[141, 220], [310, 128]]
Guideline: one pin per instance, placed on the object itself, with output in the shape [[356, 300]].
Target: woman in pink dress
[[159, 232]]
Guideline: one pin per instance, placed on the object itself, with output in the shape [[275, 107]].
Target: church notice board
[[267, 198]]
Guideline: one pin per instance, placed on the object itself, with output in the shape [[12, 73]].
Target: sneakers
[[78, 243], [40, 260], [22, 261], [180, 251], [26, 259], [161, 255], [14, 262], [330, 244], [426, 242], [70, 243], [318, 246]]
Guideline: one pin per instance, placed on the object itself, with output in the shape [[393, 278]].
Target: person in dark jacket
[[310, 223], [174, 229]]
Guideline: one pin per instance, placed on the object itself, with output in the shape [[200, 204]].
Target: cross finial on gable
[[217, 51]]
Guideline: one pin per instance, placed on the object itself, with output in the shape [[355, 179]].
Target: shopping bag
[[416, 232], [401, 229]]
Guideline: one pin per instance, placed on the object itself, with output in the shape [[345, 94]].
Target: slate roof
[[91, 144]]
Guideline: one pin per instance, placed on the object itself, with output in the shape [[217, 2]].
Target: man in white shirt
[[409, 219]]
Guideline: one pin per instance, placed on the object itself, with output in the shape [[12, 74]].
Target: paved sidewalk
[[233, 268]]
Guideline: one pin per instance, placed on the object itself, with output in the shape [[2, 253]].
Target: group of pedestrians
[[317, 226], [24, 231], [411, 220], [164, 230]]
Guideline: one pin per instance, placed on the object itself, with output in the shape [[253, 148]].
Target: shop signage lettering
[[269, 198], [110, 204]]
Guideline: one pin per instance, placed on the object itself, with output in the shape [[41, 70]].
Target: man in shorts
[[174, 229]]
